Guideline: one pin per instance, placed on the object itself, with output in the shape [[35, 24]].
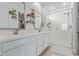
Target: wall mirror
[[34, 16], [11, 14]]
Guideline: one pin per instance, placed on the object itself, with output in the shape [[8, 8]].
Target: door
[[63, 28], [62, 32]]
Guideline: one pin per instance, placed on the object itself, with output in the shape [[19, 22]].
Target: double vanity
[[13, 18], [27, 30], [24, 45]]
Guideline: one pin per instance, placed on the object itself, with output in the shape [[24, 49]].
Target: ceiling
[[44, 4], [48, 6], [55, 5]]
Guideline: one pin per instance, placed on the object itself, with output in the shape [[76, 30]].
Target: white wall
[[29, 27]]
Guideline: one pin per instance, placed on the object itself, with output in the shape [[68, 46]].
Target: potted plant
[[12, 13]]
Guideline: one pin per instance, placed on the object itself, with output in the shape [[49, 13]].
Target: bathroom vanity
[[24, 45]]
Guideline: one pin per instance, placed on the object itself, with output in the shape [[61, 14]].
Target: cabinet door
[[19, 51], [46, 40], [32, 48], [40, 50], [40, 42]]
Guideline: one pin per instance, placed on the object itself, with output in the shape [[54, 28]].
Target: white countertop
[[4, 38]]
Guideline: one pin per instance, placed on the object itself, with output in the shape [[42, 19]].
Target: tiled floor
[[49, 52]]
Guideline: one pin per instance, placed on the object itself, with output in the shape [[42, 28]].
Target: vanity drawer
[[9, 45]]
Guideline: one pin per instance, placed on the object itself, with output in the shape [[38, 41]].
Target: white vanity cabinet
[[46, 40], [19, 51], [14, 48], [32, 45], [21, 47], [42, 42], [31, 48], [40, 45]]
